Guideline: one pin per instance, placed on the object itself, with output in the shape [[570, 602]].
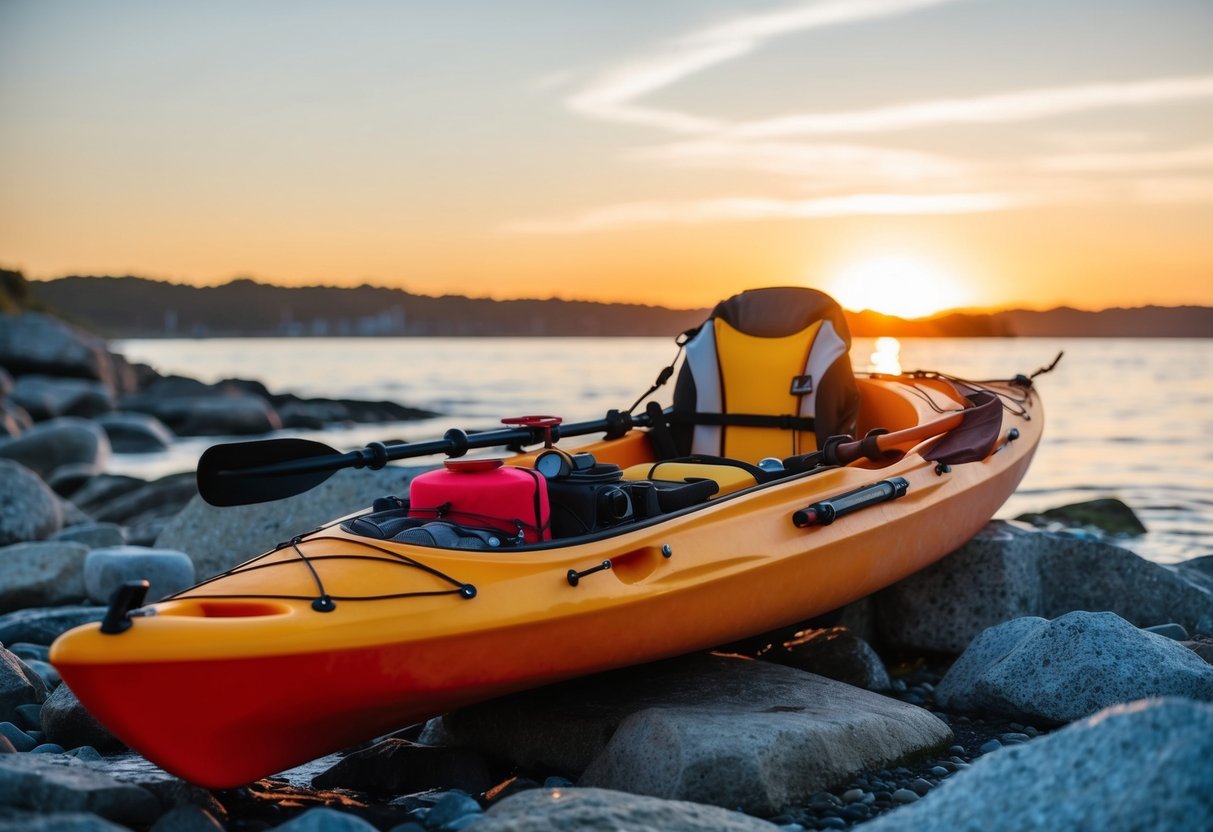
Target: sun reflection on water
[[886, 357]]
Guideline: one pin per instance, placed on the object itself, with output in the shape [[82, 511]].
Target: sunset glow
[[901, 285], [668, 153]]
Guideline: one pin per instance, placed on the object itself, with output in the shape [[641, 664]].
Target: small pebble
[[20, 740], [85, 752], [1031, 732], [904, 796], [452, 806], [956, 750], [852, 795], [557, 783], [831, 823], [791, 827], [920, 786], [1014, 739], [940, 771], [992, 745], [856, 811]]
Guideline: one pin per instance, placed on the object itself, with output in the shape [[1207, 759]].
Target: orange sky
[[965, 152]]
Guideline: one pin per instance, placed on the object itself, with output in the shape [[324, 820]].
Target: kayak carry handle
[[125, 598], [825, 512]]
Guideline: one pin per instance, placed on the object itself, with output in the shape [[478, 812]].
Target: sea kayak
[[378, 621]]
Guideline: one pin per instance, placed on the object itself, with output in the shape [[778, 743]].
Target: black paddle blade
[[242, 473]]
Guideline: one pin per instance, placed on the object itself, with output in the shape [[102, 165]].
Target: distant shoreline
[[134, 307]]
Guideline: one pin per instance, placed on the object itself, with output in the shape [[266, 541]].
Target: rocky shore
[[1037, 678]]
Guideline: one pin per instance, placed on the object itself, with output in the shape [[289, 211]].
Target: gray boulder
[[711, 729], [325, 820], [1066, 669], [167, 570], [217, 539], [67, 723], [1006, 572], [187, 819], [135, 433], [150, 500], [45, 397], [541, 810], [38, 343], [40, 574], [103, 489], [42, 626], [237, 414], [29, 510], [13, 820], [6, 383], [49, 445], [833, 652], [19, 685], [1138, 767], [59, 783], [93, 535]]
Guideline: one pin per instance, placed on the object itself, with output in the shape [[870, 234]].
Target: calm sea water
[[1131, 418]]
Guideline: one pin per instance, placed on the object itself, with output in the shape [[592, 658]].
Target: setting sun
[[905, 286]]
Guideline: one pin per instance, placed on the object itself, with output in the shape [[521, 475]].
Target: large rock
[[45, 397], [540, 810], [93, 535], [102, 490], [322, 819], [67, 723], [191, 408], [217, 539], [159, 498], [1006, 572], [833, 652], [40, 574], [59, 783], [396, 766], [49, 445], [135, 433], [711, 729], [1066, 669], [13, 820], [18, 686], [1138, 767], [168, 571], [37, 343], [1106, 514], [42, 626], [29, 510]]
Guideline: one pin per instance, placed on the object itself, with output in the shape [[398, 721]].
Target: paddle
[[968, 435], [242, 473]]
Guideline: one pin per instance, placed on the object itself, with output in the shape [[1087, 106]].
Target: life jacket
[[768, 374]]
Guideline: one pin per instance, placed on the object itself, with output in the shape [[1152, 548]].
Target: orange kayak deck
[[221, 688]]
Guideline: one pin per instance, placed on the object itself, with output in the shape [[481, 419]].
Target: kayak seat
[[768, 374]]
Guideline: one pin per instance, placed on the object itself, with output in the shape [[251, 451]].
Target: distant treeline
[[126, 307]]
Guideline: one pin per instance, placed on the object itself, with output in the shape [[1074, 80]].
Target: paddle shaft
[[454, 443]]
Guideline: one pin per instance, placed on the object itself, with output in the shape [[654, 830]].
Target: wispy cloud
[[745, 208], [1022, 105], [612, 96], [823, 154]]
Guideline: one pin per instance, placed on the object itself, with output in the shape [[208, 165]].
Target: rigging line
[[418, 594]]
